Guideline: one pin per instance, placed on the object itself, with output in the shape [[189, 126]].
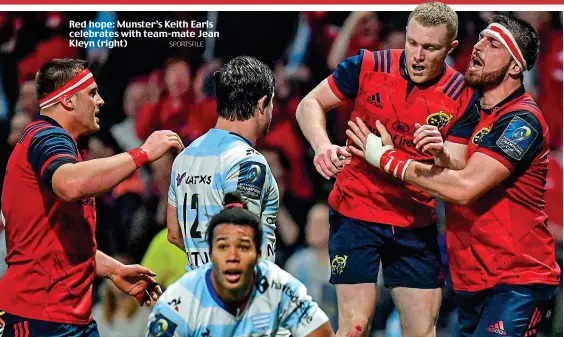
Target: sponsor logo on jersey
[[497, 328], [374, 100], [438, 119], [198, 179], [400, 127], [250, 151], [402, 141], [175, 303]]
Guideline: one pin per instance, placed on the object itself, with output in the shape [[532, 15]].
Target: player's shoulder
[[45, 136], [528, 121], [206, 147], [194, 278], [240, 152], [184, 295], [454, 86], [42, 129], [523, 106], [273, 273], [381, 61], [525, 102]]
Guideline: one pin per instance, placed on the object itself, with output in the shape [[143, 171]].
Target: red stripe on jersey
[[53, 158], [458, 84], [497, 157], [334, 88], [458, 140]]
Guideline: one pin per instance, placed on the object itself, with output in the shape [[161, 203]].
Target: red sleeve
[[334, 88]]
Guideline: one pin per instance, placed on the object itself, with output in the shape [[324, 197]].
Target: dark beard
[[487, 79]]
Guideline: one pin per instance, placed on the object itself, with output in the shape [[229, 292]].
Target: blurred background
[[150, 85]]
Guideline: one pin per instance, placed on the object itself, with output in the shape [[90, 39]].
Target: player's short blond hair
[[431, 14]]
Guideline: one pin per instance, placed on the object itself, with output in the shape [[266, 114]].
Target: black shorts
[[504, 310], [410, 256], [16, 326]]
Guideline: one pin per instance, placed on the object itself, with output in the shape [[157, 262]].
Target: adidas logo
[[497, 328], [374, 99]]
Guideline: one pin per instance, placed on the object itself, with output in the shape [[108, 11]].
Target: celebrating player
[[49, 211], [501, 253], [236, 295], [373, 215], [224, 160]]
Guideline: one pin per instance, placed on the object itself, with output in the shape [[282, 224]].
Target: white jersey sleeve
[[297, 311], [247, 171], [172, 188]]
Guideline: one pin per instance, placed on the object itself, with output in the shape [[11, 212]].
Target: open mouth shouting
[[475, 63]]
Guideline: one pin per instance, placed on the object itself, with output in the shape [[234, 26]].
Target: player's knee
[[356, 326], [420, 328]]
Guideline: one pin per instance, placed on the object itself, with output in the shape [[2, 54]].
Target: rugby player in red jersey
[[49, 211], [501, 252]]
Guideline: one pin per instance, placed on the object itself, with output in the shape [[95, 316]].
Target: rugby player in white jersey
[[224, 160], [237, 294]]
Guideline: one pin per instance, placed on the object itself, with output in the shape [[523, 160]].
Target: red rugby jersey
[[382, 90], [502, 238], [50, 243]]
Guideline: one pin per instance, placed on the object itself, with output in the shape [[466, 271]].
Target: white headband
[[504, 36]]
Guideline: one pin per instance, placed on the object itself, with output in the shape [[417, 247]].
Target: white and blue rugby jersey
[[214, 164], [190, 307]]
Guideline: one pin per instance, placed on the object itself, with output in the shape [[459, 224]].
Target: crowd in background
[[150, 85]]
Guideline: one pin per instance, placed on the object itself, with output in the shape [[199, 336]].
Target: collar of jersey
[[235, 311], [235, 134], [47, 119], [520, 91], [405, 74]]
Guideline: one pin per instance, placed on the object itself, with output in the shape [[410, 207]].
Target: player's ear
[[261, 104], [453, 46], [68, 102], [514, 69]]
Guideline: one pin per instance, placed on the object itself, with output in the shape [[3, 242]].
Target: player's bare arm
[[447, 154], [329, 158], [174, 234], [134, 280], [481, 173], [89, 178]]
